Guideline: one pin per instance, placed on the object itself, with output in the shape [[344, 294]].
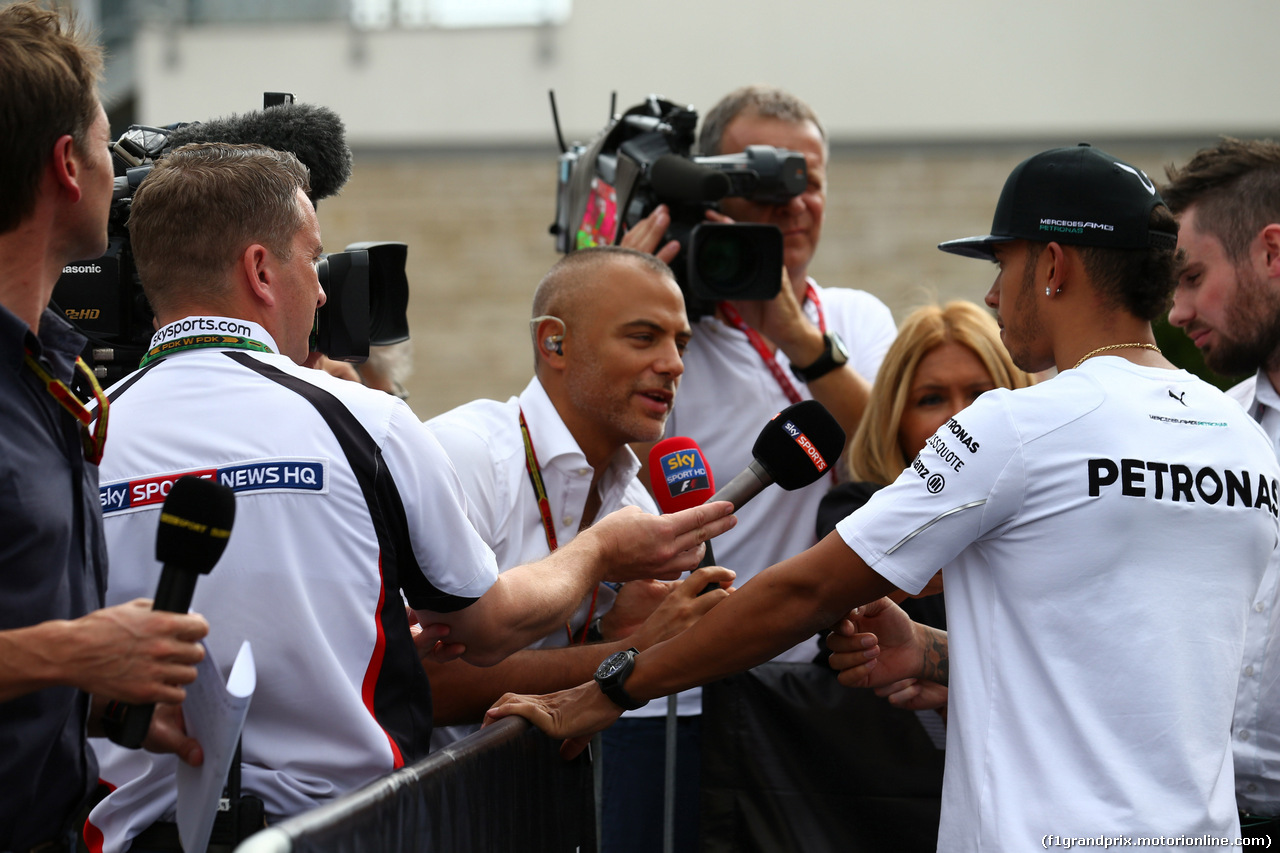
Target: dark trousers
[[634, 757]]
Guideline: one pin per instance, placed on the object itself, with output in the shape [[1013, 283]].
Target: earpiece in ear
[[554, 343]]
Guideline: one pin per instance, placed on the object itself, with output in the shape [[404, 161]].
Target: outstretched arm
[[528, 602], [461, 693], [775, 610]]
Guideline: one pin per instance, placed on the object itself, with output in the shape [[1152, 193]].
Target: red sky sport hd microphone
[[195, 524], [679, 475], [680, 478]]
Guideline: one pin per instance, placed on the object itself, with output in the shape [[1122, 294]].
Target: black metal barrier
[[792, 760], [505, 788]]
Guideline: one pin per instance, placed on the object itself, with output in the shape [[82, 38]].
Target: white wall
[[923, 70]]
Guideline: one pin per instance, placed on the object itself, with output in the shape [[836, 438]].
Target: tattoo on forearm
[[934, 664]]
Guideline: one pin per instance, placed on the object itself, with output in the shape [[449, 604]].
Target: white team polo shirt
[[343, 500], [1102, 533]]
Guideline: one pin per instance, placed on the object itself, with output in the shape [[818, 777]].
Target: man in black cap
[[1068, 515]]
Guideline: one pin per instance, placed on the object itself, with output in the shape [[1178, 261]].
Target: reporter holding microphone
[[609, 331], [62, 654], [346, 505]]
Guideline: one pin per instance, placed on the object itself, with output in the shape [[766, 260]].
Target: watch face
[[611, 664], [838, 349]]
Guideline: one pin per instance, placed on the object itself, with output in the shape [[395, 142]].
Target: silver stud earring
[[1046, 291]]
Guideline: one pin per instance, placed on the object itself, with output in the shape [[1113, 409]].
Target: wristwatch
[[612, 674], [835, 355]]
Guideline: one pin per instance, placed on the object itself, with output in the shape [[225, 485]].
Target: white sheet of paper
[[214, 716]]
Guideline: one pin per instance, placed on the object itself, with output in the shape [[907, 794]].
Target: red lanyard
[[770, 358], [93, 441], [548, 525]]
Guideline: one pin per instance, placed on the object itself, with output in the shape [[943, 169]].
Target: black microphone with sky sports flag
[[796, 447]]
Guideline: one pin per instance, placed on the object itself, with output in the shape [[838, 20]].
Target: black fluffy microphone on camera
[[796, 447], [195, 524], [313, 134]]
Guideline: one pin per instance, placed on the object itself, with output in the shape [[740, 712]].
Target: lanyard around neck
[[548, 525], [94, 441], [769, 357], [192, 342]]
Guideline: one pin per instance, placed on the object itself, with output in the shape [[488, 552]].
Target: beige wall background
[[476, 227], [915, 69], [929, 104]]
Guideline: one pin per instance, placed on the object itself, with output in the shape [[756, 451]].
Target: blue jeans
[[634, 777]]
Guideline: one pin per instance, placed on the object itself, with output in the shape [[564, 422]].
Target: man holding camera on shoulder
[[751, 359], [754, 358], [345, 502]]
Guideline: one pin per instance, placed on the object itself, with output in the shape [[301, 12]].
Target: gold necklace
[[1092, 353]]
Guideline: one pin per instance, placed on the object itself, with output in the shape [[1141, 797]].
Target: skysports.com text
[[202, 325], [1067, 842]]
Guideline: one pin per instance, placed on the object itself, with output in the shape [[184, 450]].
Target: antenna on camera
[[613, 104], [555, 119]]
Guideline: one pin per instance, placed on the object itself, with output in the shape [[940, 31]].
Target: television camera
[[644, 158], [366, 289]]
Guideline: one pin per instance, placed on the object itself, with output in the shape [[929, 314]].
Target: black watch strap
[[612, 674], [833, 356]]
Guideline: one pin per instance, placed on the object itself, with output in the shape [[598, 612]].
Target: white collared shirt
[[484, 443], [1255, 732]]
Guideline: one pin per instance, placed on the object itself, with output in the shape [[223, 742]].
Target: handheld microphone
[[313, 134], [680, 478], [794, 449], [679, 475], [195, 524]]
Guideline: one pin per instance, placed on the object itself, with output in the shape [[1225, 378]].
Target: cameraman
[[753, 359], [346, 501], [56, 646]]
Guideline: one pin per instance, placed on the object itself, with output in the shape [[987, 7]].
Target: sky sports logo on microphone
[[806, 445], [260, 475], [684, 471]]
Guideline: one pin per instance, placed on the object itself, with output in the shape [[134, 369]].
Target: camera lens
[[726, 263]]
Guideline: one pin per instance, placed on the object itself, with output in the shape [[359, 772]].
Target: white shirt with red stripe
[[311, 577]]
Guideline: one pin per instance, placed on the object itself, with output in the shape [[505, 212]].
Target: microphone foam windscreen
[[799, 445], [677, 179], [679, 476], [313, 134], [195, 523]]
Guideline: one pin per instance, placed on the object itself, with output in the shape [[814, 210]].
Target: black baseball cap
[[1079, 196]]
